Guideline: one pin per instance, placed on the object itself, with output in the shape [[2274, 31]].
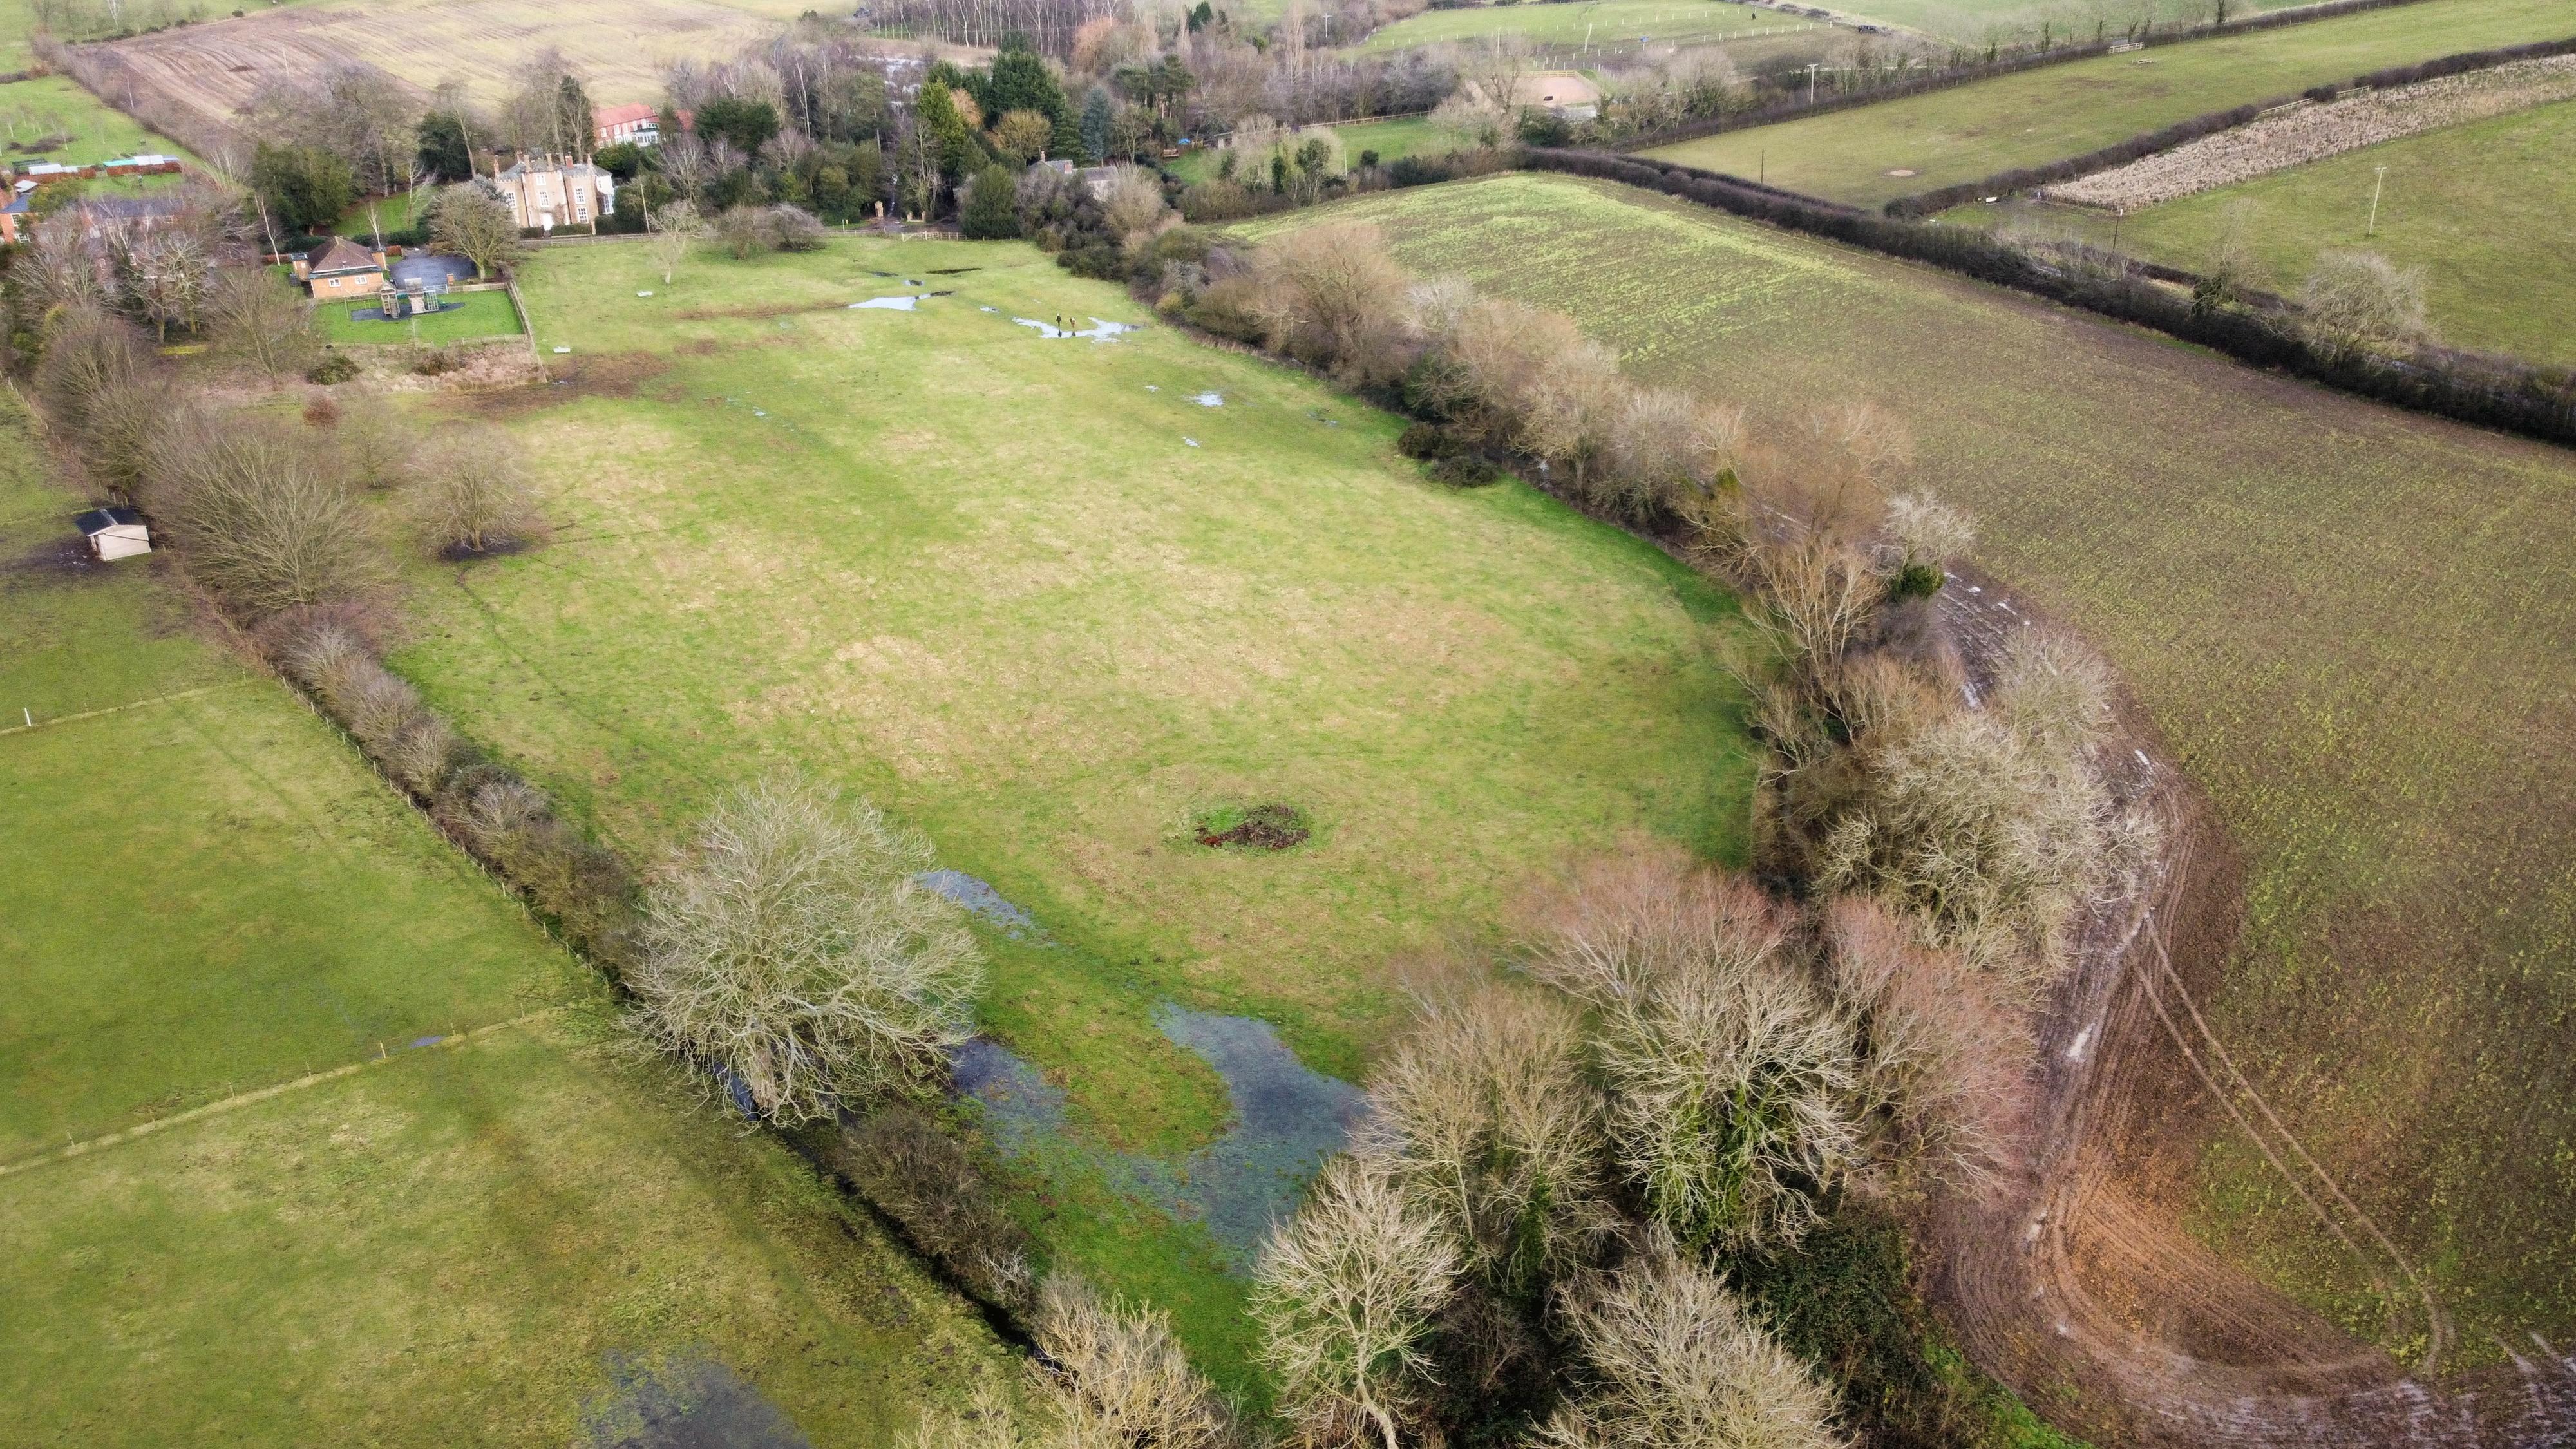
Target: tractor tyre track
[[2075, 1280]]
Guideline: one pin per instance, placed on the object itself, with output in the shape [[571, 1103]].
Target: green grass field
[[1037, 600], [1975, 130], [92, 131], [1975, 22], [1597, 27], [483, 314], [2472, 205], [2337, 615], [205, 901], [1393, 139]]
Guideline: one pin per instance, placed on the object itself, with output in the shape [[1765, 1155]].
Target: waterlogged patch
[[1100, 330], [1286, 1120], [980, 897], [682, 1405], [1209, 399], [887, 304]]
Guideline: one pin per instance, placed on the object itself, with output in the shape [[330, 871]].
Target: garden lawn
[[2345, 620], [1974, 130], [205, 895], [484, 314], [2484, 209], [1036, 599], [1601, 27]]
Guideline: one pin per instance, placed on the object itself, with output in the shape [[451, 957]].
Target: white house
[[115, 532]]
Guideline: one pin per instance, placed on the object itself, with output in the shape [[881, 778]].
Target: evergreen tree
[[442, 147], [992, 211], [1098, 113]]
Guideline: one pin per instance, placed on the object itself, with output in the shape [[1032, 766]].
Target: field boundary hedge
[[2472, 388], [1795, 110], [2208, 123]]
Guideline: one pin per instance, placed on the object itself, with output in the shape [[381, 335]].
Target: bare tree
[[1119, 1376], [1134, 204], [1495, 67], [793, 947], [1023, 135], [676, 228], [262, 513], [375, 446], [1484, 1116], [472, 495], [1924, 533], [260, 318], [103, 400], [1940, 1074], [1345, 1293], [470, 221], [1669, 452], [1993, 828], [1332, 296], [991, 1422], [1674, 1359], [1731, 1078]]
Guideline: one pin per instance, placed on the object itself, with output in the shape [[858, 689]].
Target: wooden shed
[[115, 532]]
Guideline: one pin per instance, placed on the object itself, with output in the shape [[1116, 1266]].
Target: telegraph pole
[[2379, 176]]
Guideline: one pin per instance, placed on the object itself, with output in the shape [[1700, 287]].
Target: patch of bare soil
[[2075, 1281], [595, 374], [56, 560]]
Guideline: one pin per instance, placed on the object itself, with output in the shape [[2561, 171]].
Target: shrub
[[510, 823], [793, 947], [335, 367], [375, 446], [2358, 299], [104, 400], [1429, 442], [1465, 471], [924, 1180], [1331, 296]]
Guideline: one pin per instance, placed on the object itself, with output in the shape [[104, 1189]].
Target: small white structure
[[115, 532]]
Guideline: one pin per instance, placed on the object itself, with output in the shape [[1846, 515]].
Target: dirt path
[[2076, 1282]]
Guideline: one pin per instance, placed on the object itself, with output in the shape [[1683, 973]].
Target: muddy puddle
[[1100, 330], [689, 1403]]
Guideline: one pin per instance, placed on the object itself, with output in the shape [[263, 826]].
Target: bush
[[924, 1180], [1465, 471], [335, 367], [1430, 442]]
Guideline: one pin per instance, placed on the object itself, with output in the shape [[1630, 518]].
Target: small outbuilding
[[115, 532]]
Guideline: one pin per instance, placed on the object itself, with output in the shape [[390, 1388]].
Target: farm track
[[2076, 1282]]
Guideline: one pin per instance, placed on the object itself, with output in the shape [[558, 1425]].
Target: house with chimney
[[545, 192], [341, 268]]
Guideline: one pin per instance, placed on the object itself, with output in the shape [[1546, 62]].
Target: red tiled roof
[[343, 256], [625, 115]]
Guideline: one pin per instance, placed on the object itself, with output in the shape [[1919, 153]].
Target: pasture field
[[484, 314], [2472, 205], [1975, 130], [2337, 615], [1041, 599], [209, 905], [1600, 27], [1975, 22]]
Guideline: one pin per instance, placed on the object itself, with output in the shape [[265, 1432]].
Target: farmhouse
[[115, 532], [635, 123], [545, 192], [342, 269]]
